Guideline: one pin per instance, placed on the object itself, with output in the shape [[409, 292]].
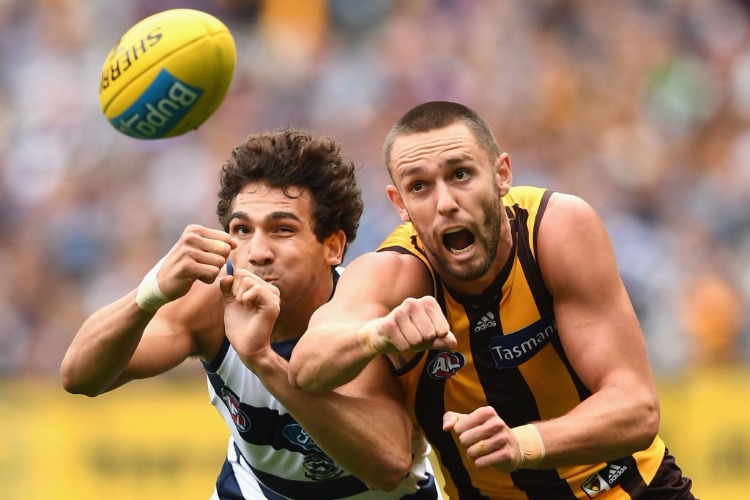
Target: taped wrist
[[365, 340], [150, 297], [530, 446]]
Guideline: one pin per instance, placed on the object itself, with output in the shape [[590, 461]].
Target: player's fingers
[[448, 342], [258, 296], [221, 248], [436, 317], [450, 419], [225, 285], [409, 327], [242, 283]]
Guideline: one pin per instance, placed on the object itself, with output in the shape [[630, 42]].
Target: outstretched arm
[[382, 304], [124, 340]]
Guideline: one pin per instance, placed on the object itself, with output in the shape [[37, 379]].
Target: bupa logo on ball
[[164, 103]]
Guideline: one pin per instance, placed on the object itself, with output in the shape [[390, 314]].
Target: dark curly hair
[[288, 157]]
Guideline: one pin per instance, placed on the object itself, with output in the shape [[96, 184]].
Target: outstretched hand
[[251, 307]]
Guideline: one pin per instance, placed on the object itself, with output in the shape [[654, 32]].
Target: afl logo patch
[[445, 364]]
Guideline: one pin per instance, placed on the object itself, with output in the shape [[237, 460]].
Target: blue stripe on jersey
[[268, 428], [427, 490], [227, 486]]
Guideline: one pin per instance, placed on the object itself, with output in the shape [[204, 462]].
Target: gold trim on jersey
[[508, 356]]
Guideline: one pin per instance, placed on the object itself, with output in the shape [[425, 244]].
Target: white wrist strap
[[150, 298]]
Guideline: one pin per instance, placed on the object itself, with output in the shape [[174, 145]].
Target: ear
[[397, 202], [503, 174], [333, 246]]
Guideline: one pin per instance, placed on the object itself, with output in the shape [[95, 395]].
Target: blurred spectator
[[641, 107]]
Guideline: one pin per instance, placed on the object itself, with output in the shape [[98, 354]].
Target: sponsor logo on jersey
[[320, 467], [615, 471], [298, 436], [446, 364], [486, 321], [514, 349], [164, 103], [233, 405]]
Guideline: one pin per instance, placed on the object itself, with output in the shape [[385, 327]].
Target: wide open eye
[[462, 174], [416, 187]]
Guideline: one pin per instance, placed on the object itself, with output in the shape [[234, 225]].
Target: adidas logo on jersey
[[615, 471], [486, 321], [596, 484]]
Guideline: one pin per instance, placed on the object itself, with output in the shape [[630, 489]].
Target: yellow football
[[167, 74]]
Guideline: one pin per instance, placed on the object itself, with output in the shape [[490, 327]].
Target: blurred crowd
[[641, 107]]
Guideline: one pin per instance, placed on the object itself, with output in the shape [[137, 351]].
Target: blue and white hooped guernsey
[[270, 456]]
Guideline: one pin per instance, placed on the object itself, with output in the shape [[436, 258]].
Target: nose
[[446, 202], [260, 252]]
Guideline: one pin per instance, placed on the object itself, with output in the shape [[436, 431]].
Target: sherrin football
[[167, 74]]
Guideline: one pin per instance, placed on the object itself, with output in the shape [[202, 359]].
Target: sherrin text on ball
[[167, 74]]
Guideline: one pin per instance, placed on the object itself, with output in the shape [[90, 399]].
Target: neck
[[294, 318]]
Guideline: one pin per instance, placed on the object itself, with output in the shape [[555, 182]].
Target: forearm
[[369, 437], [317, 369], [103, 347], [612, 423]]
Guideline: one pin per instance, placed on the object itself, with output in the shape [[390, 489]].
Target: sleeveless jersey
[[271, 456], [509, 356]]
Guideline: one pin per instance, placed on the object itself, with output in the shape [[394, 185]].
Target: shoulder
[[567, 213], [572, 240], [391, 276]]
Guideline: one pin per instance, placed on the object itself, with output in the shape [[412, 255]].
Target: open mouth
[[458, 240]]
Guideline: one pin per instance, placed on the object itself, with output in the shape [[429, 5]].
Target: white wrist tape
[[150, 297], [530, 445]]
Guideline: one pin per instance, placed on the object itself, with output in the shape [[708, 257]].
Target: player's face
[[451, 191], [275, 241]]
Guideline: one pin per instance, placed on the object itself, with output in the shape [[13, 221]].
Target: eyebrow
[[273, 216], [417, 169]]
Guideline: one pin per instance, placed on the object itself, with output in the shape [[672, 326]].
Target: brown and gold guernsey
[[509, 356]]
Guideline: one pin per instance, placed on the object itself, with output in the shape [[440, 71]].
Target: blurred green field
[[161, 440]]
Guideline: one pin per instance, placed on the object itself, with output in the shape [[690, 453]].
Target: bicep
[[372, 285], [597, 324], [170, 337]]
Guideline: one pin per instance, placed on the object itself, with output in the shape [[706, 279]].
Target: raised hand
[[415, 325], [251, 307], [198, 255]]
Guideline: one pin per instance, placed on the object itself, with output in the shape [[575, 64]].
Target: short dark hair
[[438, 114], [289, 157]]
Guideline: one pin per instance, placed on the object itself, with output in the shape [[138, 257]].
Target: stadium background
[[641, 107]]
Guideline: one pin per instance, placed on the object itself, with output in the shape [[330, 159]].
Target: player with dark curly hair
[[239, 300]]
